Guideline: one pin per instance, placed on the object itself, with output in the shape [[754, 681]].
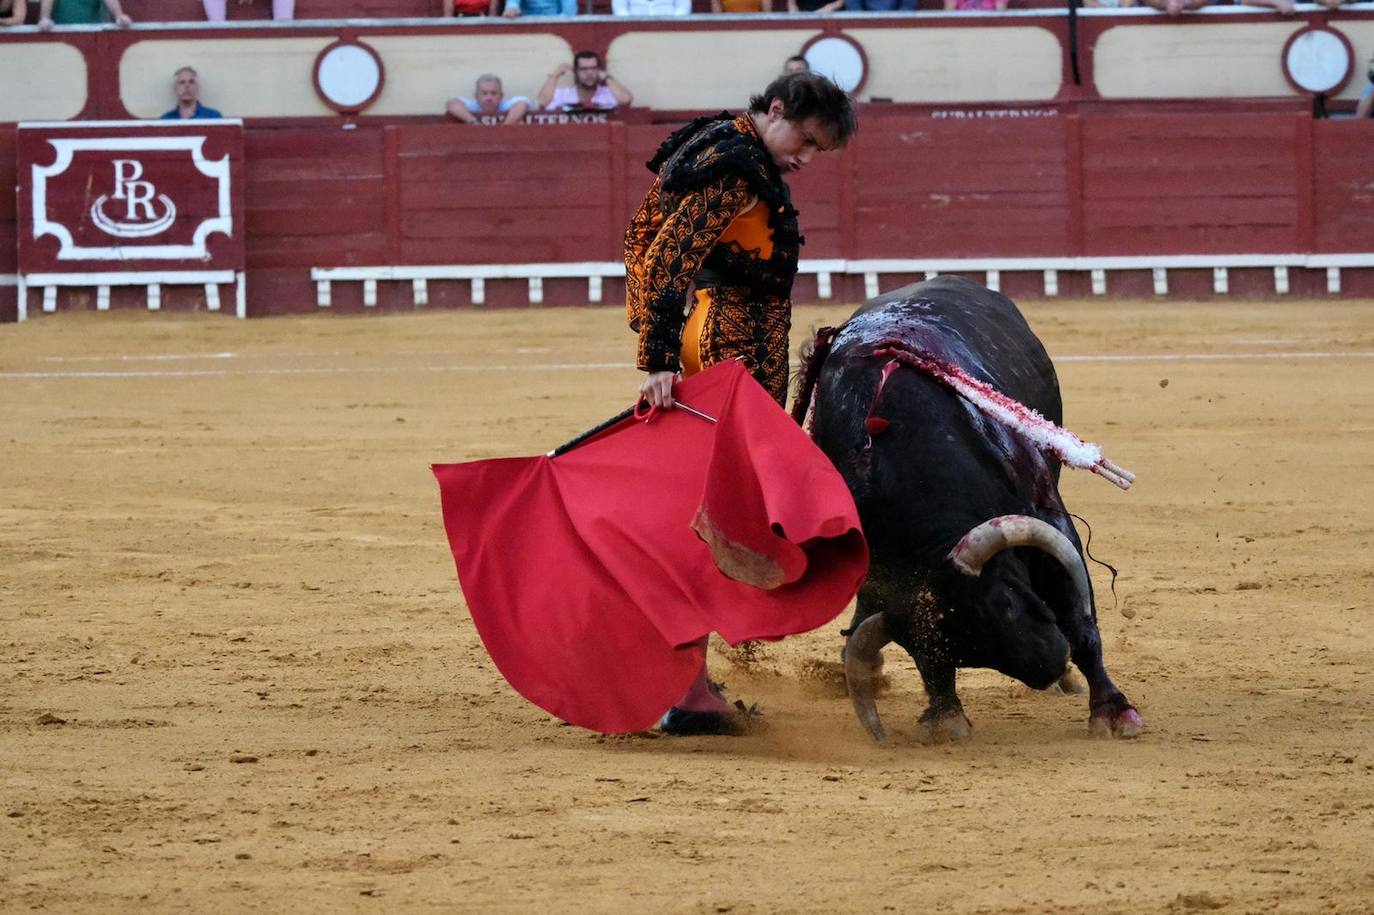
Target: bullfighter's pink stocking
[[700, 696]]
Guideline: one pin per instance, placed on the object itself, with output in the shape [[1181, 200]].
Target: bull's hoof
[[1123, 723], [948, 726]]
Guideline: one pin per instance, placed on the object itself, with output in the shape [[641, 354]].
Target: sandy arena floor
[[236, 672]]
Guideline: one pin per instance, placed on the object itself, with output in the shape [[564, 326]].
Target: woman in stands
[[217, 10], [719, 217]]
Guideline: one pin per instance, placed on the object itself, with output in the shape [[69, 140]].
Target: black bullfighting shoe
[[681, 722]]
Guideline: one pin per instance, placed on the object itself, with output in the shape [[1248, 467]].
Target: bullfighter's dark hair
[[811, 95]]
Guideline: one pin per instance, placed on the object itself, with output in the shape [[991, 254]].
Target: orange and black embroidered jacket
[[707, 174]]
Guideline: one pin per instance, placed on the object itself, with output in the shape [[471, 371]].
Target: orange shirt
[[749, 230]]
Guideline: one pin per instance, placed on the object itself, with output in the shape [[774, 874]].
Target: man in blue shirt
[[186, 85], [1365, 106]]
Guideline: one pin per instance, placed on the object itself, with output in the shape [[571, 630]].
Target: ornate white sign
[[134, 207]]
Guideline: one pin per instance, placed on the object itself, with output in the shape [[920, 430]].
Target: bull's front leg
[[944, 719], [1110, 713], [920, 633]]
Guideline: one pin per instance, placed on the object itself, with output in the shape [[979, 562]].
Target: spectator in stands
[[490, 105], [880, 6], [186, 85], [975, 5], [814, 6], [741, 6], [1175, 7], [1366, 103], [471, 8], [795, 64], [215, 10], [591, 87], [80, 12], [517, 8], [651, 7], [12, 12]]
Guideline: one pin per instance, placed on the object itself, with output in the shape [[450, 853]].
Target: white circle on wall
[[348, 76], [839, 58], [1317, 60]]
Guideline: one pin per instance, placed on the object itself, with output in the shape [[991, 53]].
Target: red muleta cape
[[590, 575]]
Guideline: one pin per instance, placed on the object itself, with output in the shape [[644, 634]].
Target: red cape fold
[[590, 575]]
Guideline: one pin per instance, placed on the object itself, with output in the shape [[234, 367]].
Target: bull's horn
[[992, 537], [861, 663]]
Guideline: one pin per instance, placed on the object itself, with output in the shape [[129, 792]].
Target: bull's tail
[[812, 358]]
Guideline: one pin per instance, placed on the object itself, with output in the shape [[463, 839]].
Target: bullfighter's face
[[790, 143]]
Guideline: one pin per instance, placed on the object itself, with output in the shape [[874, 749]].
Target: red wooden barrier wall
[[315, 196], [1343, 179], [552, 197], [909, 187], [1192, 183], [937, 188], [9, 239]]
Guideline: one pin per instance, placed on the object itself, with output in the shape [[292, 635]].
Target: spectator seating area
[[147, 11]]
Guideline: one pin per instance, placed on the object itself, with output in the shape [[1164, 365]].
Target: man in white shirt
[[490, 105]]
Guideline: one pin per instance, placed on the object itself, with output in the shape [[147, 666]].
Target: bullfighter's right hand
[[657, 389]]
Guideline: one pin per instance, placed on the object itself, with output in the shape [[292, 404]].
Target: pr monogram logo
[[140, 218]]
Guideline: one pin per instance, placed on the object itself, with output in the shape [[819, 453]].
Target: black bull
[[929, 473]]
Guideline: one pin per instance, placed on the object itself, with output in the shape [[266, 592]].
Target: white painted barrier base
[[871, 270], [152, 280], [534, 275]]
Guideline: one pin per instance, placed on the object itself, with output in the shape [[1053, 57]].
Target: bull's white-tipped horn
[[861, 663], [988, 539]]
